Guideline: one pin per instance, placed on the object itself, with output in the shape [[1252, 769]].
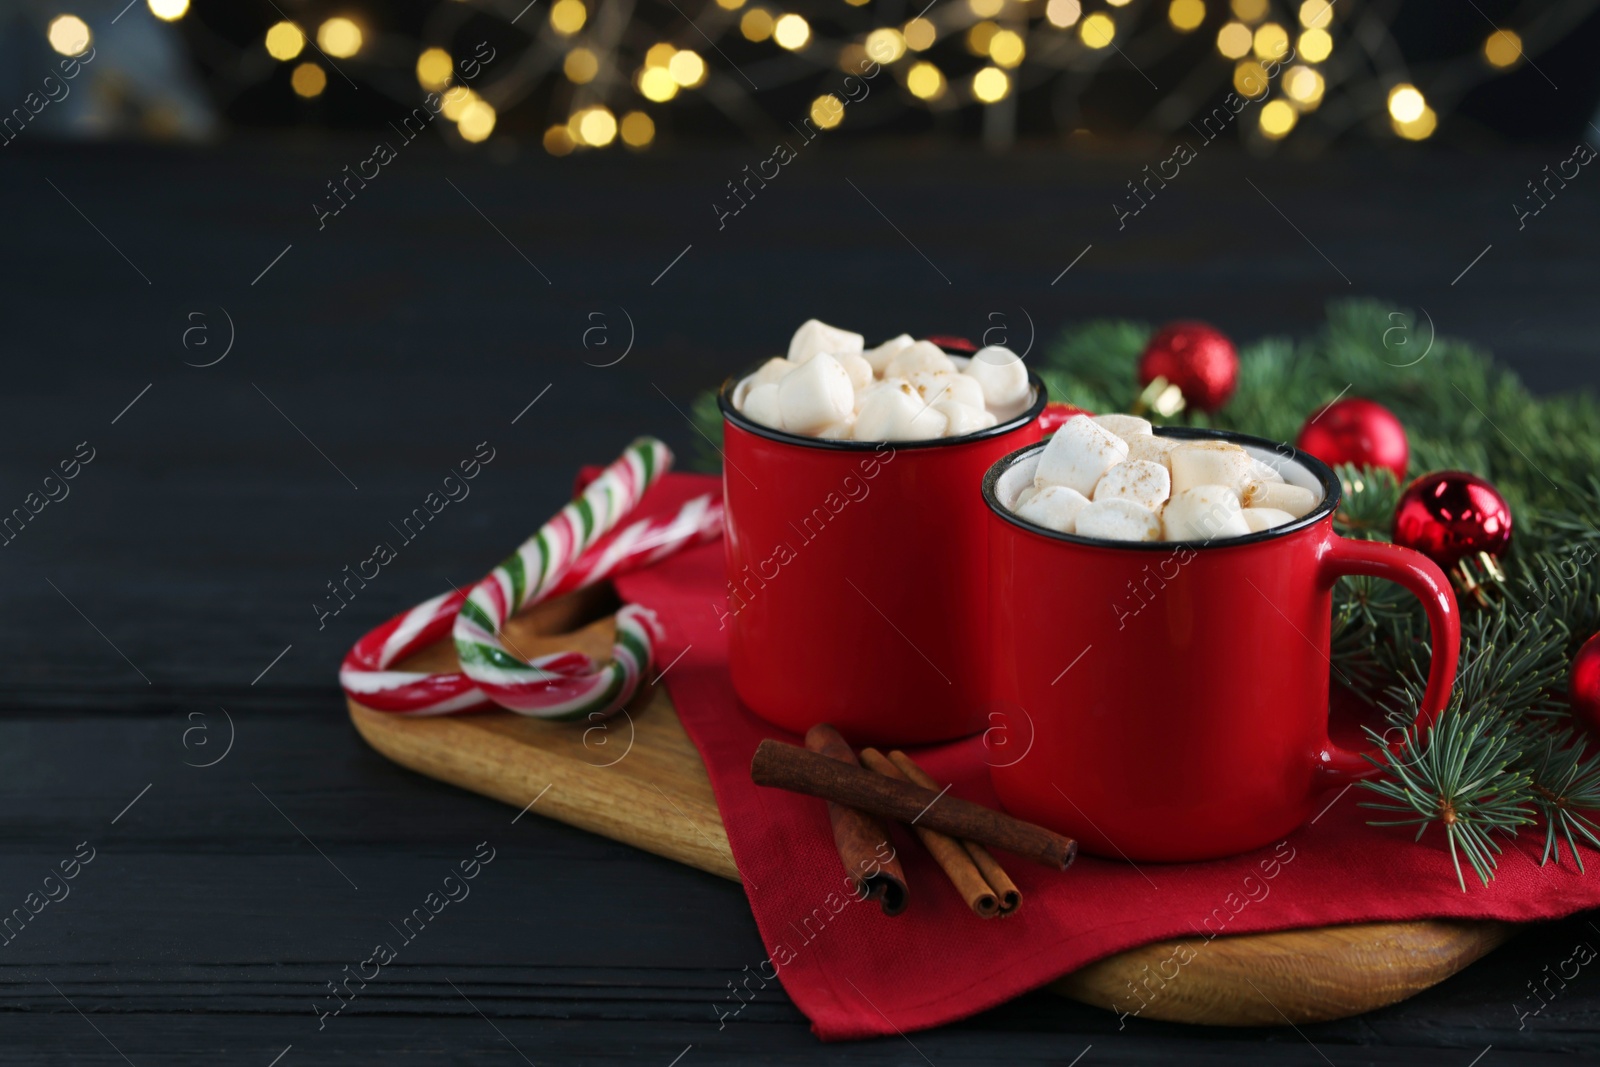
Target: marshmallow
[[815, 394], [963, 418], [1263, 472], [858, 369], [1126, 427], [814, 338], [1139, 480], [879, 357], [772, 370], [1196, 463], [1004, 379], [917, 356], [1203, 513], [1153, 448], [1055, 507], [1118, 520], [1259, 519], [1079, 453], [761, 406], [897, 413], [1027, 493], [935, 386], [1279, 495]]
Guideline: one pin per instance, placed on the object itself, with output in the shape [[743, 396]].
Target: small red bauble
[[1357, 431], [1450, 515], [959, 345], [1197, 358], [1584, 685]]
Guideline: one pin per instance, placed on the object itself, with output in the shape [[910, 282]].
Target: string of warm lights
[[615, 83]]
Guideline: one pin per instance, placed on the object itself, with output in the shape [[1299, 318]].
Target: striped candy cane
[[568, 685], [365, 675]]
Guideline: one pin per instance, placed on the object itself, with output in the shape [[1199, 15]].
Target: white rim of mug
[[1332, 494], [732, 414]]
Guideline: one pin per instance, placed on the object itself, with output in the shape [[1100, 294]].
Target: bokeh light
[[979, 36], [1278, 118], [638, 129], [69, 35], [1250, 79], [886, 44], [308, 80], [1250, 10], [557, 141], [920, 34], [580, 66], [1503, 49], [1234, 40], [477, 121], [568, 16], [1006, 49], [1097, 31], [925, 81], [827, 111], [339, 37], [791, 32], [990, 85], [1406, 104], [168, 10], [1304, 86], [1316, 14], [1271, 41], [1186, 15], [597, 126], [687, 68], [1063, 13], [756, 24], [285, 40], [454, 103], [1419, 128], [1315, 46], [434, 68], [655, 83]]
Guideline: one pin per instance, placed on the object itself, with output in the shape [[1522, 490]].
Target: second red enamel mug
[[857, 593], [1172, 697]]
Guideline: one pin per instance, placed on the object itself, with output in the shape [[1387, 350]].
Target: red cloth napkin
[[856, 973]]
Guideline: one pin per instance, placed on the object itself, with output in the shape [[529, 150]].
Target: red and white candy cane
[[365, 675]]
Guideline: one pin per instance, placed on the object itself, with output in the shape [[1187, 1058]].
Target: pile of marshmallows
[[903, 390], [1110, 477]]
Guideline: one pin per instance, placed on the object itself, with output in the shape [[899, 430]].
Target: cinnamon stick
[[862, 840], [995, 875], [946, 850], [789, 767]]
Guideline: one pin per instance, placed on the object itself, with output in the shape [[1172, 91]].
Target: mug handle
[[1428, 583]]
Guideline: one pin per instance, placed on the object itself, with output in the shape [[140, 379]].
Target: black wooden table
[[263, 396]]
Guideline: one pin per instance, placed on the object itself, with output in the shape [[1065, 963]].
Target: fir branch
[[1370, 497], [1565, 788], [1459, 774]]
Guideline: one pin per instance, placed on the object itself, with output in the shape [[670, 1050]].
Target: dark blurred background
[[577, 75]]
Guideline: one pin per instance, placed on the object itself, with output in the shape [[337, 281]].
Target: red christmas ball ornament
[[1357, 431], [1450, 515], [950, 343], [1197, 358], [1584, 685]]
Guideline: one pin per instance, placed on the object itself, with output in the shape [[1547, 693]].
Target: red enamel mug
[[856, 586], [1171, 698]]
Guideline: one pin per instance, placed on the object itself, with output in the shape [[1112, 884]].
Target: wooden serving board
[[640, 781]]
